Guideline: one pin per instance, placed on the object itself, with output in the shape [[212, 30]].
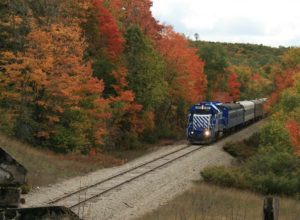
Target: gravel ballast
[[145, 193]]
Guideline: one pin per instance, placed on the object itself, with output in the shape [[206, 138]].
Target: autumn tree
[[104, 50], [136, 12], [291, 59], [184, 77], [13, 25], [253, 84], [129, 115], [57, 102], [289, 106], [234, 86], [185, 74], [126, 122], [294, 131], [110, 37]]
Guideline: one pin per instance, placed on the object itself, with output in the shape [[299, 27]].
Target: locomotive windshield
[[202, 111]]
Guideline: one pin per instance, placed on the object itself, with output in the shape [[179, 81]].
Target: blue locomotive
[[208, 120]]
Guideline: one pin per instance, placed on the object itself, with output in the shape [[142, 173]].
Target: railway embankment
[[136, 193]]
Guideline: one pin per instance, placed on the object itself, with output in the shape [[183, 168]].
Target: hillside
[[252, 55], [87, 76]]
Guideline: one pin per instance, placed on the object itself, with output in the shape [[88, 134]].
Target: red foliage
[[92, 152], [109, 31], [285, 80], [222, 97], [234, 86], [185, 74], [137, 12], [124, 94], [294, 131], [129, 109], [257, 77], [282, 81]]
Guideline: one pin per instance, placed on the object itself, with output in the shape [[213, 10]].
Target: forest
[[96, 75]]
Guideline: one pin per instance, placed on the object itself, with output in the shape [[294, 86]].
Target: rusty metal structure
[[12, 177]]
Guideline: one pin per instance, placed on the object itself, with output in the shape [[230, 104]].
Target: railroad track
[[91, 192]]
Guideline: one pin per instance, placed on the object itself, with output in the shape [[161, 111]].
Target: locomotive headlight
[[207, 133], [192, 132]]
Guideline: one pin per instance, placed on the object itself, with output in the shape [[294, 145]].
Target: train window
[[202, 111]]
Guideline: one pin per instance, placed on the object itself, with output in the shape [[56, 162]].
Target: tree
[[13, 25], [294, 131], [110, 36], [216, 62], [136, 12], [145, 69], [284, 74], [53, 87], [126, 122], [234, 86], [196, 36], [291, 58], [105, 43], [185, 74]]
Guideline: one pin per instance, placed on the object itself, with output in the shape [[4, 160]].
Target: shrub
[[269, 171], [130, 141], [275, 134], [274, 184], [64, 140], [239, 150], [253, 141], [268, 159], [243, 149], [223, 176], [166, 131], [150, 136]]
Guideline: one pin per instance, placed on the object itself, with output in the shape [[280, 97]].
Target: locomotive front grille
[[201, 121]]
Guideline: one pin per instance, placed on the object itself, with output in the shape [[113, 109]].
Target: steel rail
[[133, 178], [114, 176]]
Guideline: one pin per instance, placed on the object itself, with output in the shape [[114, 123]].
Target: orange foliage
[[52, 75], [128, 110], [185, 74], [294, 131], [124, 95]]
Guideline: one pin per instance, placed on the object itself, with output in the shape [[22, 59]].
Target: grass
[[129, 155], [204, 202], [45, 167]]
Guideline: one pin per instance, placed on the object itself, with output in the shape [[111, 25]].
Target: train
[[209, 120]]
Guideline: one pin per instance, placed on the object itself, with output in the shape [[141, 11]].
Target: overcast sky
[[268, 22]]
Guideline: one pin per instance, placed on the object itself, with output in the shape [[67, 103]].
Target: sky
[[268, 22]]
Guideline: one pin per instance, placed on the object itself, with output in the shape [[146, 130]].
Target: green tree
[[145, 69], [13, 25], [216, 62]]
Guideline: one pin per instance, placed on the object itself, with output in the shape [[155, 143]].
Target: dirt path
[[146, 193]]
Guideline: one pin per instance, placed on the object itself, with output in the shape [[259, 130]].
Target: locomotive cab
[[203, 122]]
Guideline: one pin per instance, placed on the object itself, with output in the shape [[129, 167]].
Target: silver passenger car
[[248, 110]]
